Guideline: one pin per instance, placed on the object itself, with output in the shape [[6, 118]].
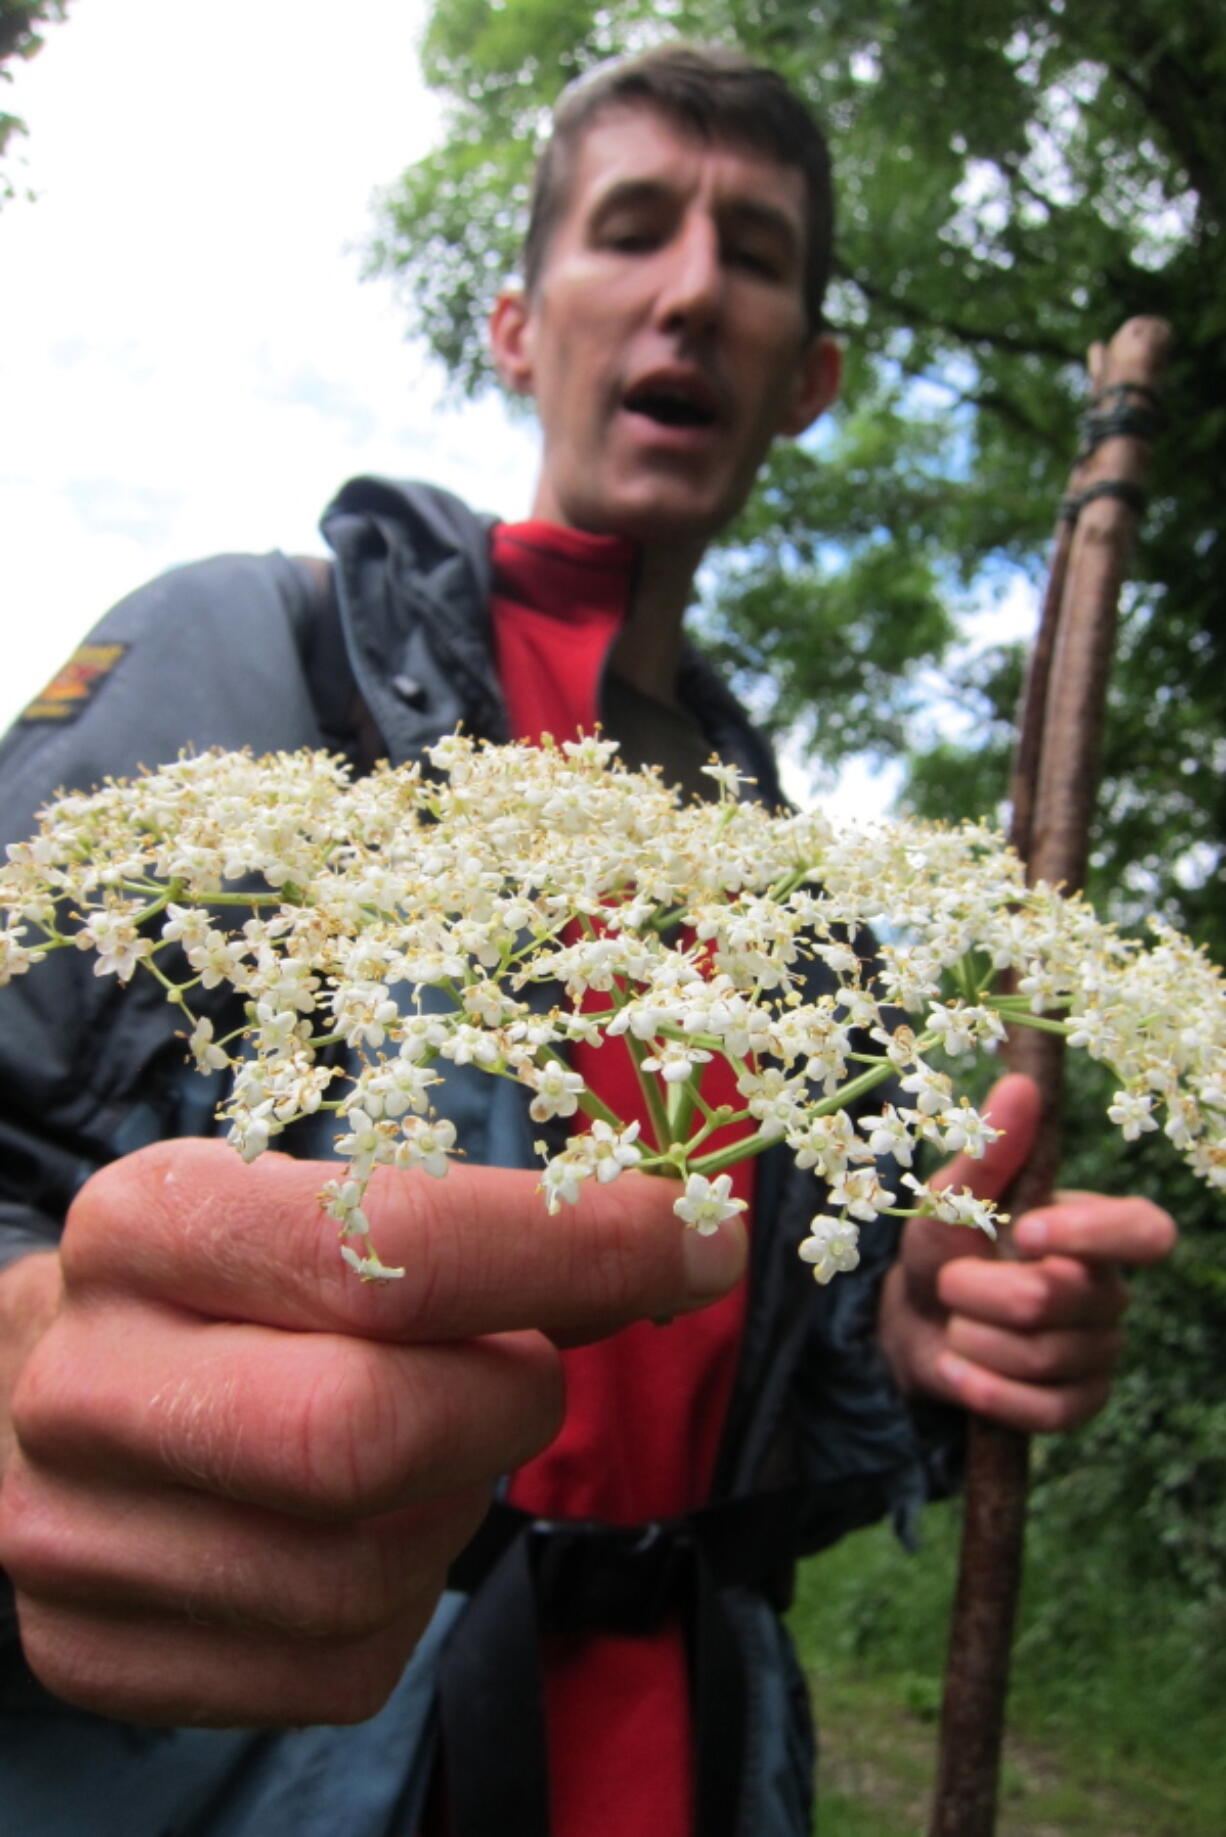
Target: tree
[[1014, 183], [1007, 196], [20, 36]]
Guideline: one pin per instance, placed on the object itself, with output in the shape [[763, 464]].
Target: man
[[234, 1497]]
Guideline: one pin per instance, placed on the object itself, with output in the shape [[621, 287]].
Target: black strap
[[1124, 408], [492, 1708], [526, 1576], [1124, 489]]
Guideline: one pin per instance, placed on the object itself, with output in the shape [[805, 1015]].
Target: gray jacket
[[247, 651]]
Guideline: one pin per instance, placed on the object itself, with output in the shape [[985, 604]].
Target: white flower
[[343, 1201], [954, 1205], [562, 1179], [119, 945], [1130, 1111], [962, 1130], [16, 959], [959, 1029], [472, 1046], [832, 1246], [518, 867], [367, 1142], [892, 1133], [774, 1099], [931, 1090], [861, 1193], [729, 778], [208, 1056], [558, 1091], [706, 1203], [369, 1268], [251, 1130], [426, 1143], [611, 1151], [186, 925], [399, 1085], [826, 1143], [675, 1061]]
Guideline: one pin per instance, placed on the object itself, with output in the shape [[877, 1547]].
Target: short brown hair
[[709, 91]]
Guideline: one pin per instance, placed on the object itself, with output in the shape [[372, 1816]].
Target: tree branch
[[908, 312]]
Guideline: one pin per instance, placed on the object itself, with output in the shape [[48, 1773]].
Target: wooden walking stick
[[1055, 775]]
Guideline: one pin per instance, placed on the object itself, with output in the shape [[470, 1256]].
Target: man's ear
[[816, 384], [511, 340]]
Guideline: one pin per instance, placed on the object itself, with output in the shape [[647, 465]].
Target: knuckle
[[65, 1657], [623, 1267], [346, 1432], [31, 1545], [370, 1587], [1038, 1360], [1032, 1301], [1067, 1407], [366, 1679], [46, 1395], [1159, 1234], [122, 1199], [346, 1589]]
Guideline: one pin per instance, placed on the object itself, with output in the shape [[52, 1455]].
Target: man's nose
[[691, 292]]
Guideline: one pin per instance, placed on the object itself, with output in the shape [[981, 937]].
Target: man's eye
[[755, 261], [631, 241]]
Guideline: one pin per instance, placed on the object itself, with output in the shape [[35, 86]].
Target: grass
[[1115, 1721]]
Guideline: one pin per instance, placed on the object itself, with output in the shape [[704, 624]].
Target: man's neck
[[647, 651]]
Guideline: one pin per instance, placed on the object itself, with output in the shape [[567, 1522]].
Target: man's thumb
[[1013, 1108]]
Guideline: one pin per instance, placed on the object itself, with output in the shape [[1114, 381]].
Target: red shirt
[[645, 1408]]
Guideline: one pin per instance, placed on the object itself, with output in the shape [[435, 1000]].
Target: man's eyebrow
[[629, 192]]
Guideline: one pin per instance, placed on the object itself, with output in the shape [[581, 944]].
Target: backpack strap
[[347, 722], [525, 1576]]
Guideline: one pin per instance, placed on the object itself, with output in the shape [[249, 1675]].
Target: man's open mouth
[[670, 407]]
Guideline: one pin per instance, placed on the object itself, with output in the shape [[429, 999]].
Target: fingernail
[[952, 1370], [712, 1264], [1031, 1232]]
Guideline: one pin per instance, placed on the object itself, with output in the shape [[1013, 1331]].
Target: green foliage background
[[1015, 180]]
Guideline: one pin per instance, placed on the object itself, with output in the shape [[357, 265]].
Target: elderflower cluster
[[504, 903]]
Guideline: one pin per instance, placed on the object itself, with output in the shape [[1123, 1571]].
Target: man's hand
[[1032, 1343], [240, 1475]]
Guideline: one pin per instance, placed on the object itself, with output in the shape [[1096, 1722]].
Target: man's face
[[665, 343]]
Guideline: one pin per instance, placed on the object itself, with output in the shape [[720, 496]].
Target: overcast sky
[[189, 361]]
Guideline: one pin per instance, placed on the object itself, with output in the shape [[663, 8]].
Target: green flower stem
[[1026, 1017], [176, 992], [843, 1098], [681, 1100], [656, 1110], [782, 888], [716, 1119], [724, 1158], [848, 1094], [970, 985], [249, 900]]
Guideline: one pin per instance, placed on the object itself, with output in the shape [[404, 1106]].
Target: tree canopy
[[1008, 194], [20, 36], [1015, 180]]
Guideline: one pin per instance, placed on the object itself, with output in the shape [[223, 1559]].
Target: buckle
[[614, 1578]]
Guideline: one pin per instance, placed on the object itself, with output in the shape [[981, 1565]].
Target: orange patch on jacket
[[74, 686]]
